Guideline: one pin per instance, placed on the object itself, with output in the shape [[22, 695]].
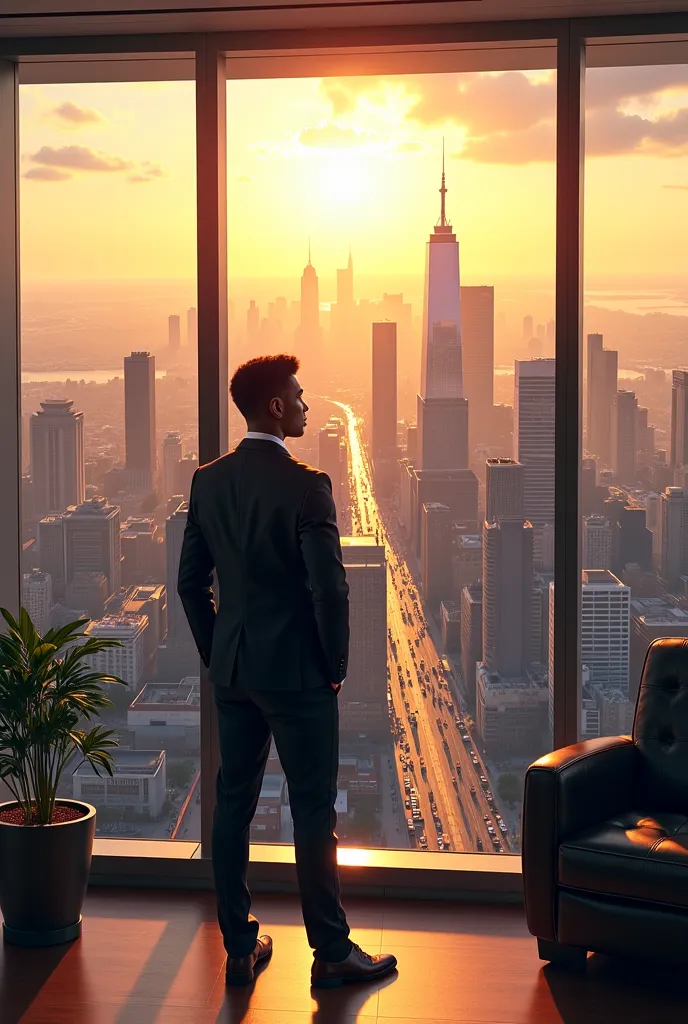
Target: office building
[[142, 551], [150, 600], [534, 437], [90, 591], [177, 625], [511, 712], [450, 626], [678, 451], [384, 390], [127, 661], [457, 489], [192, 329], [597, 543], [645, 439], [503, 490], [137, 787], [602, 376], [651, 619], [183, 474], [37, 598], [436, 551], [605, 629], [139, 419], [172, 452], [412, 442], [51, 552], [616, 711], [507, 597], [471, 637], [308, 332], [625, 436], [333, 460], [92, 541], [57, 457], [467, 561], [635, 540], [674, 535], [174, 334], [477, 355], [363, 700], [167, 716]]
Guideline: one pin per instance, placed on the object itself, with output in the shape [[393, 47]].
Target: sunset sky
[[108, 175]]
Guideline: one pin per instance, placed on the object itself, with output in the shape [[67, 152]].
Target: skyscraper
[[37, 598], [534, 437], [471, 636], [384, 390], [507, 597], [477, 353], [92, 541], [605, 628], [171, 456], [308, 333], [174, 333], [435, 556], [673, 535], [503, 490], [139, 418], [191, 328], [57, 457], [602, 373], [597, 543], [332, 459], [442, 408], [345, 286], [625, 436], [51, 553], [678, 452], [175, 524], [364, 704]]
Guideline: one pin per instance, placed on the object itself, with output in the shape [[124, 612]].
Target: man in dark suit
[[276, 646]]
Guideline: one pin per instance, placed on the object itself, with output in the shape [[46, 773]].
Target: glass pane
[[109, 420], [397, 235], [633, 490]]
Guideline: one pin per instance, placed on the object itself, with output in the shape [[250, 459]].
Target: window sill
[[378, 873]]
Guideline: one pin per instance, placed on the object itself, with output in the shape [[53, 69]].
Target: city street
[[452, 803]]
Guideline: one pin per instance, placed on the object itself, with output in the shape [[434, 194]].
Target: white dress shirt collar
[[257, 435]]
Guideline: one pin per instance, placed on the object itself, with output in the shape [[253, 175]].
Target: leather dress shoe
[[357, 967], [241, 970]]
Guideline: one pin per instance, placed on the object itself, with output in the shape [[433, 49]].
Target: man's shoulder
[[292, 466]]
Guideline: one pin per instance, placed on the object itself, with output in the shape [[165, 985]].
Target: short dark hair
[[254, 383]]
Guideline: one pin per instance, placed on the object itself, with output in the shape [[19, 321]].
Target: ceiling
[[105, 17]]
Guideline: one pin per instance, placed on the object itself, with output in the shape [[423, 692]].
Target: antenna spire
[[443, 191], [309, 251]]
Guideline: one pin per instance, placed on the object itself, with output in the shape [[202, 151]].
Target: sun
[[343, 179]]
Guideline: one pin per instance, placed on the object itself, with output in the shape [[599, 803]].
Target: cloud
[[138, 179], [80, 158], [46, 174], [329, 135], [510, 117], [73, 114], [154, 170], [679, 188]]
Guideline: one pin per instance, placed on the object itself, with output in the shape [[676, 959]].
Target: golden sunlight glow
[[343, 180], [352, 855]]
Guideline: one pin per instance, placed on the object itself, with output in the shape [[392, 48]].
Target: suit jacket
[[266, 523]]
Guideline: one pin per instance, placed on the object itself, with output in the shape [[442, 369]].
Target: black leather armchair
[[605, 830]]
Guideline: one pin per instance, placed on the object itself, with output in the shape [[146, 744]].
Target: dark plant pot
[[43, 877]]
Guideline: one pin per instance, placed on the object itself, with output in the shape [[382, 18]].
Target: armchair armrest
[[566, 791]]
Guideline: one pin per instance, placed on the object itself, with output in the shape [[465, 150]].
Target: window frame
[[382, 872]]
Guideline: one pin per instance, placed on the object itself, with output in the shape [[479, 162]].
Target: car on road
[[409, 824], [423, 842], [458, 769], [487, 818], [422, 762], [407, 804], [484, 783], [473, 794]]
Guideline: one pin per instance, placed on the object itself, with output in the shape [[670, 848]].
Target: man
[[276, 646]]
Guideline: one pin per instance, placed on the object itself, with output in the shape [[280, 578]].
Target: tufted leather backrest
[[660, 728]]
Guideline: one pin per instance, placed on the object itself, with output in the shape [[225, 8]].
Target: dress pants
[[305, 725]]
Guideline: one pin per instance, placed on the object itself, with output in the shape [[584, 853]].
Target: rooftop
[[142, 762], [600, 578], [186, 693], [117, 625]]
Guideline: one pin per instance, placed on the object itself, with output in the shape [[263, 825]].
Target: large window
[[397, 233], [109, 419], [634, 486]]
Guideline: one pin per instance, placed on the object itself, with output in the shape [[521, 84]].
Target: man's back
[[266, 523]]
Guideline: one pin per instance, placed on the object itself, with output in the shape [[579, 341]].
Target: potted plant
[[47, 692]]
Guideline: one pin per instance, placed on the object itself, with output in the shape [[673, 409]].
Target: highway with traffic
[[443, 782]]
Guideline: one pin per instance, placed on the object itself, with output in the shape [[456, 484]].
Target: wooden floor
[[150, 957]]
